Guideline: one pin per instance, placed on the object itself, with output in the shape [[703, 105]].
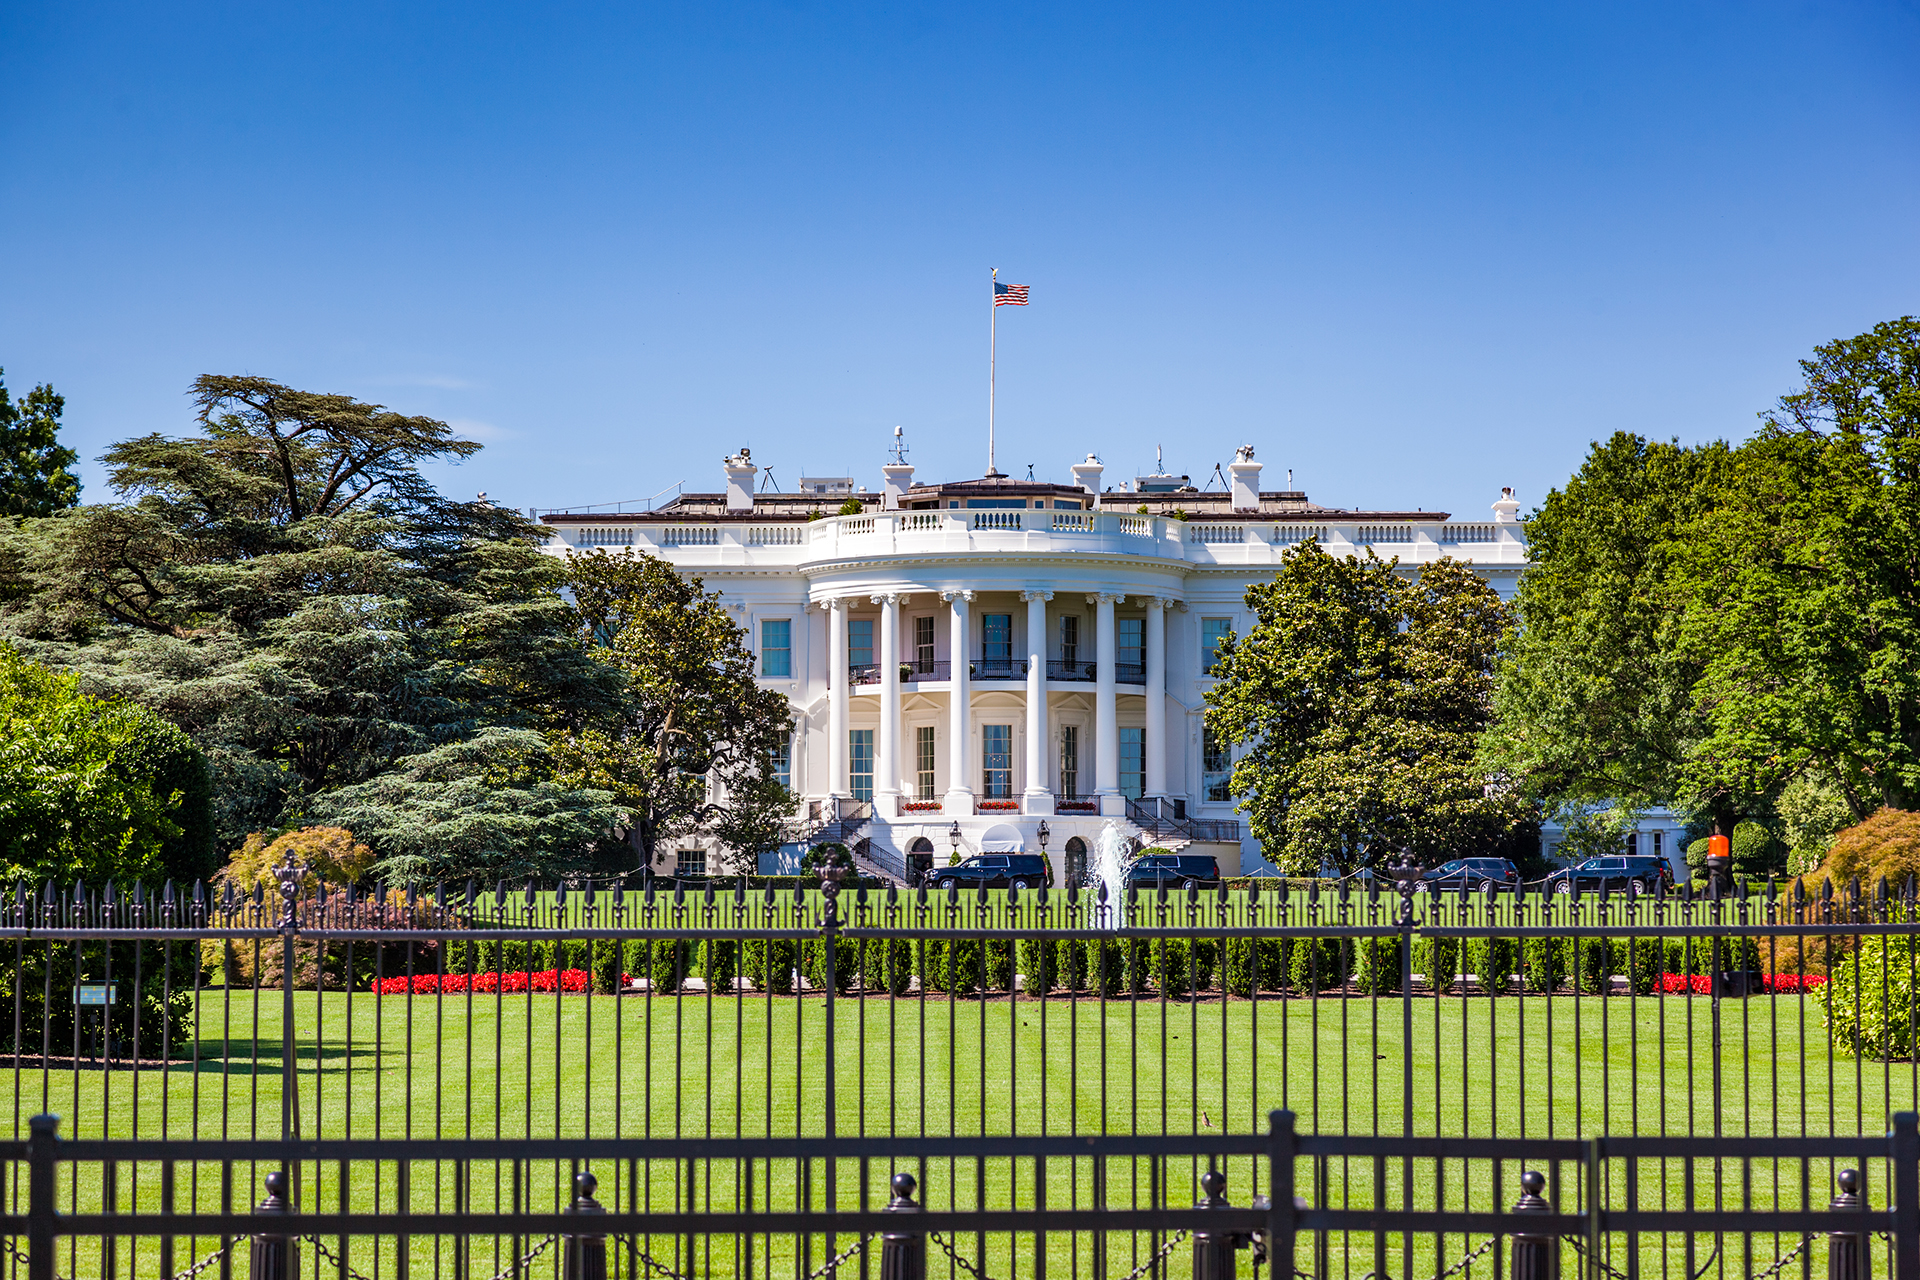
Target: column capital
[[889, 597], [1104, 597], [1158, 602], [950, 596], [1031, 596]]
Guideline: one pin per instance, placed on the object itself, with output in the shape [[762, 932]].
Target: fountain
[[1109, 871]]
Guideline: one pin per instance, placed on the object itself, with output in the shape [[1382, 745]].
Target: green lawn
[[698, 1064]]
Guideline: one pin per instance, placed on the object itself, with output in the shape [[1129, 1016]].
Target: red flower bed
[[998, 806], [426, 984], [1700, 984]]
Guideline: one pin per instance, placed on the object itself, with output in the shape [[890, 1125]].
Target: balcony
[[997, 669], [1087, 672], [910, 672]]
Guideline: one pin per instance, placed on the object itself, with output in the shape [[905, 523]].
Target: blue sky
[[1411, 252]]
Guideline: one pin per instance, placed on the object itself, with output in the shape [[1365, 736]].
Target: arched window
[[920, 845], [1076, 862]]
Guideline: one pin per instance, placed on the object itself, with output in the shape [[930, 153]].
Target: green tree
[[1359, 696], [288, 588], [1594, 696], [1803, 586], [693, 742], [36, 476], [94, 790]]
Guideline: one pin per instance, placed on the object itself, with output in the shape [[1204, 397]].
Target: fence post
[[586, 1253], [1283, 1208], [1213, 1250], [42, 1161], [273, 1256], [1535, 1257], [903, 1249], [1906, 1195], [1847, 1250]]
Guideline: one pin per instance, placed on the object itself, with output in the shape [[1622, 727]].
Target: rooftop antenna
[[1217, 475], [1029, 474], [768, 479], [1289, 479], [899, 444]]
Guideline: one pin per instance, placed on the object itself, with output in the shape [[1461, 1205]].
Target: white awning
[[1002, 846]]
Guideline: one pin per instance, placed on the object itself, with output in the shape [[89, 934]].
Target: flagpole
[[993, 355]]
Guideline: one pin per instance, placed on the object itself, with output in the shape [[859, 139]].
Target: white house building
[[997, 664]]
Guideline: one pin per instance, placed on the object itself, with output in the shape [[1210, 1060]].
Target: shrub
[[1643, 960], [1754, 850], [1495, 960], [1168, 960], [769, 963], [1256, 964], [953, 965], [1040, 964], [1376, 968], [1317, 964], [846, 963], [609, 962], [720, 963], [886, 964], [670, 961], [1589, 962], [999, 964], [331, 854], [1206, 958], [1115, 966], [1869, 996], [1439, 960], [1544, 965]]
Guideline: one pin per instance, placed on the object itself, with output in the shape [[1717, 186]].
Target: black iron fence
[[744, 1072]]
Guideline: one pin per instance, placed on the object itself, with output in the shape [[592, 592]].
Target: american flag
[[1009, 295]]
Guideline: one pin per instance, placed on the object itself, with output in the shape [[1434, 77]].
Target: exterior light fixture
[[1043, 834]]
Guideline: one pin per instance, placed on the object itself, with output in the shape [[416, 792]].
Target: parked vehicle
[[1480, 873], [996, 871], [1621, 874], [1173, 868]]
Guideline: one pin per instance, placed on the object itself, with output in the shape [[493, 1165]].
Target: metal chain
[[203, 1264], [1467, 1261], [330, 1256], [1154, 1261], [833, 1264], [1580, 1247], [1784, 1259], [645, 1259], [26, 1261], [963, 1264]]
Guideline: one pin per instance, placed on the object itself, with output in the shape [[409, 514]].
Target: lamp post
[[1043, 833], [953, 837]]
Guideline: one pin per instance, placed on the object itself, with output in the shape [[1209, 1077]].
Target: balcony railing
[[997, 669], [1058, 670], [910, 672]]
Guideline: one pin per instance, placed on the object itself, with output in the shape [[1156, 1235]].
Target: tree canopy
[[94, 790], [1359, 696], [287, 587], [36, 470], [694, 741]]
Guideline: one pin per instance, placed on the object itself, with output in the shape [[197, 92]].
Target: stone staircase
[[1156, 824], [849, 827]]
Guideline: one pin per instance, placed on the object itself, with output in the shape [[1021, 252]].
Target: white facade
[[993, 655]]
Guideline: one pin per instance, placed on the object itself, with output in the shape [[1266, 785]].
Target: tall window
[[1070, 639], [923, 645], [1658, 852], [996, 641], [996, 759], [1216, 767], [1070, 762], [1133, 763], [1076, 861], [860, 642], [1212, 632], [783, 764], [691, 862], [923, 760], [860, 763], [776, 647], [1131, 633]]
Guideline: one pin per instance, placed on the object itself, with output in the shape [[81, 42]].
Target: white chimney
[[1246, 479], [740, 473], [899, 479], [1507, 510], [1087, 475]]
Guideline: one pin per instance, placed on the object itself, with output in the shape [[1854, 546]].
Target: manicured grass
[[722, 1065]]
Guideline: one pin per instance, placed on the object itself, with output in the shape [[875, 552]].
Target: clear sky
[[1412, 252]]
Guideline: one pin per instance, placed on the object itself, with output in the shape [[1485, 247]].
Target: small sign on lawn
[[100, 993]]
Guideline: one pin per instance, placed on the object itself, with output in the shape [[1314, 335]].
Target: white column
[[959, 797], [1039, 796], [1156, 744], [838, 694], [886, 782], [1106, 720]]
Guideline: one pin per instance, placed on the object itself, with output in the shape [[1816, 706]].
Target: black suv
[[1173, 868], [996, 871], [1629, 875], [1477, 872]]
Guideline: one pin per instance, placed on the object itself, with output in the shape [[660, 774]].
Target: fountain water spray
[[1109, 871]]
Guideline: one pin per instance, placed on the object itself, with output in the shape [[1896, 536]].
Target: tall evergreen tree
[[287, 586], [36, 470]]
